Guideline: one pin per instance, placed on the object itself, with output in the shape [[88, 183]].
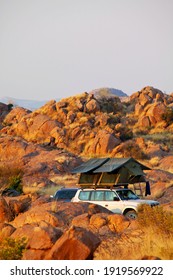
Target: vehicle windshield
[[126, 194]]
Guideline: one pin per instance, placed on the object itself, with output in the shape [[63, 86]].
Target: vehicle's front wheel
[[131, 215]]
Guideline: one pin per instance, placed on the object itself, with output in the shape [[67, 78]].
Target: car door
[[107, 199], [97, 197], [112, 202]]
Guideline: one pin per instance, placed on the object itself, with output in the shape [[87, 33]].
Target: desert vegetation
[[11, 177], [12, 249], [153, 237]]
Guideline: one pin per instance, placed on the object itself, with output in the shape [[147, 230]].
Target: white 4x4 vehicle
[[120, 201]]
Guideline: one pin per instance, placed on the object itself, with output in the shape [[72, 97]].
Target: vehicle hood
[[142, 201]]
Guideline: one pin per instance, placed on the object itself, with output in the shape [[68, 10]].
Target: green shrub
[[12, 249], [15, 182], [11, 177]]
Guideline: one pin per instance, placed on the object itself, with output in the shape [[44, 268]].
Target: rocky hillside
[[35, 228], [48, 142], [86, 125], [38, 150]]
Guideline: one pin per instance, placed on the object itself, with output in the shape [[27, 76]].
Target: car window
[[109, 195], [84, 195], [127, 194], [97, 195], [64, 194]]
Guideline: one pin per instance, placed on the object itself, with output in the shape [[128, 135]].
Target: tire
[[131, 215]]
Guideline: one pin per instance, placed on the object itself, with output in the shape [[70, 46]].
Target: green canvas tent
[[90, 165], [109, 172]]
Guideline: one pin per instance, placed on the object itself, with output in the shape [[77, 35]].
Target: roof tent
[[121, 171], [90, 165], [112, 164], [110, 172]]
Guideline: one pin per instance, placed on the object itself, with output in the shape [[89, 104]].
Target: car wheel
[[131, 215]]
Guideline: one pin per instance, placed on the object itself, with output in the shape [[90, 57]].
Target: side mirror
[[116, 198]]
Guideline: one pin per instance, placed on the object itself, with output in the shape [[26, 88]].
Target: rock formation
[[39, 149]]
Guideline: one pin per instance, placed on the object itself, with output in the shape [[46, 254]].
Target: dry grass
[[59, 181], [66, 180], [27, 189], [149, 244], [156, 219], [153, 237], [164, 138]]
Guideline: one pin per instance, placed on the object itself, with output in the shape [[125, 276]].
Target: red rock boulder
[[75, 244], [5, 211]]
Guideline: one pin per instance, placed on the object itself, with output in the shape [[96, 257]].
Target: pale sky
[[52, 49]]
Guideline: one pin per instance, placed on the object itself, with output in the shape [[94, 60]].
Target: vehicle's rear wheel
[[131, 215]]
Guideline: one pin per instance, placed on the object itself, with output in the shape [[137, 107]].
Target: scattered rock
[[6, 230], [40, 237], [5, 211], [118, 223], [32, 254], [16, 115], [103, 143], [82, 220], [75, 244], [92, 106], [167, 163]]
